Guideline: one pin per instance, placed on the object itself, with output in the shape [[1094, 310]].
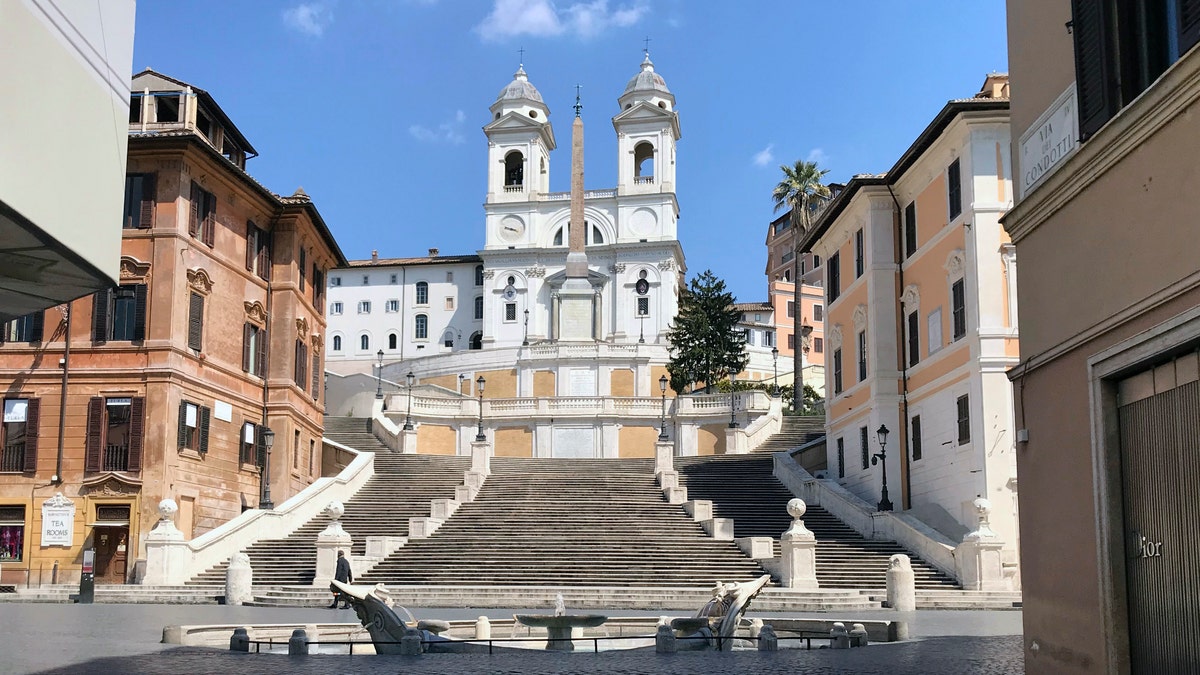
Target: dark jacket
[[343, 573]]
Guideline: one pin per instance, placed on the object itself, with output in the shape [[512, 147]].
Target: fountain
[[560, 624], [718, 620]]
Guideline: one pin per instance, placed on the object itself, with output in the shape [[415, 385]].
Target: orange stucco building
[[784, 266], [162, 386]]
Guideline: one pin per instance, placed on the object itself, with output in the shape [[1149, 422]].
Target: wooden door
[[111, 554]]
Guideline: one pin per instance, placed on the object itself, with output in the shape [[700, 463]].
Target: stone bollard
[[841, 638], [858, 635], [980, 555], [897, 631], [664, 640], [239, 580], [298, 643], [331, 540], [483, 628], [167, 553], [901, 584], [240, 642], [410, 644], [798, 550], [314, 635], [767, 640], [756, 626]]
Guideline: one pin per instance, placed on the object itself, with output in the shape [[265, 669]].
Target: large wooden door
[[1159, 419], [112, 544]]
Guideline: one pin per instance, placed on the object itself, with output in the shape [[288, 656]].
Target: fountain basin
[[558, 627]]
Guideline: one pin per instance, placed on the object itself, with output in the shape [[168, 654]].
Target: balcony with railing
[[12, 458], [587, 194], [116, 458], [514, 188], [643, 180]]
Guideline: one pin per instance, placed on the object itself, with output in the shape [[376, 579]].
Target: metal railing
[[116, 458], [12, 459]]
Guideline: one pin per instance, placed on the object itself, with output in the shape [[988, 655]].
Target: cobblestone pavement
[[112, 639]]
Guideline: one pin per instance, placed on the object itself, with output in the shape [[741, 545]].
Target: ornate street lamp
[[775, 369], [479, 382], [525, 342], [732, 400], [880, 457], [268, 439], [662, 426], [408, 415], [379, 376]]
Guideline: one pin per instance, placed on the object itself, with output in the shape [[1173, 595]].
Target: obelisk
[[576, 297]]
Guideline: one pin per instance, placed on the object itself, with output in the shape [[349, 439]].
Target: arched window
[[595, 236], [479, 307], [337, 343], [422, 293], [422, 327], [391, 340], [476, 341], [643, 163], [514, 169], [364, 342], [479, 275], [448, 339]]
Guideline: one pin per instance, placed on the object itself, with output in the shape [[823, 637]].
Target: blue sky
[[375, 107]]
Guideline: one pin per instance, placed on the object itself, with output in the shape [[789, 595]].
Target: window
[[866, 450], [862, 355], [910, 229], [258, 252], [316, 375], [193, 426], [448, 339], [393, 278], [300, 367], [791, 341], [303, 265], [816, 261], [296, 449], [818, 345], [364, 306], [818, 313], [479, 307], [139, 201], [510, 311], [1121, 48], [787, 258], [643, 306], [366, 280], [26, 328], [954, 189], [337, 343], [916, 437], [421, 324], [476, 341], [249, 444], [959, 303], [479, 275], [119, 314], [769, 338], [934, 330], [964, 420], [115, 433], [514, 169], [166, 109], [841, 457], [449, 277], [422, 293], [749, 337], [203, 215], [19, 435], [195, 322], [835, 278], [392, 340], [364, 342], [335, 281], [791, 308], [335, 308], [254, 350], [312, 455], [859, 254], [914, 339], [391, 306], [837, 371], [318, 285], [12, 533], [449, 304]]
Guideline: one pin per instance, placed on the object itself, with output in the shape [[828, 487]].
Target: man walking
[[344, 575]]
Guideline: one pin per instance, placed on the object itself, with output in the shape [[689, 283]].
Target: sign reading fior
[[1049, 141], [58, 521]]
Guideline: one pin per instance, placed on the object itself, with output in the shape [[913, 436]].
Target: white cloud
[[818, 156], [450, 131], [541, 18], [309, 18], [766, 156]]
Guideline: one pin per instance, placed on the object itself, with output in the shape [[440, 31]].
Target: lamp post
[[408, 415], [268, 439], [662, 426], [775, 370], [805, 340], [525, 341], [379, 376], [479, 382], [732, 400], [880, 457]]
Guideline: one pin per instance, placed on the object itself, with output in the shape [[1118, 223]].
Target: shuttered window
[[954, 189], [116, 430], [119, 314], [258, 251], [859, 254], [958, 299], [916, 437], [834, 271], [910, 229], [28, 328], [254, 350], [837, 370], [19, 434], [195, 321], [316, 376], [841, 457], [301, 365], [302, 264], [963, 406], [203, 214], [914, 339], [194, 421], [140, 196], [866, 449]]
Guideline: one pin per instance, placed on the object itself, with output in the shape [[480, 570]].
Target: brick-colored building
[[161, 386], [784, 265]]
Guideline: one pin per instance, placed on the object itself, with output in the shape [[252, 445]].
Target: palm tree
[[801, 191]]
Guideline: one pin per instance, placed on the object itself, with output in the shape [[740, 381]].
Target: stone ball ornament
[[982, 506], [335, 510], [796, 508], [167, 508]]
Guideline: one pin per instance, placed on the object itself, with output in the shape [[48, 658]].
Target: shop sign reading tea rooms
[[1049, 141]]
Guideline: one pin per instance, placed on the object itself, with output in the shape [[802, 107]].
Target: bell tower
[[520, 139], [647, 131]]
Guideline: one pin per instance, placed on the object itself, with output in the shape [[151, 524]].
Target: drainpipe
[[62, 401], [265, 478], [906, 468]]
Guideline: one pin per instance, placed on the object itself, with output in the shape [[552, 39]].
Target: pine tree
[[706, 345]]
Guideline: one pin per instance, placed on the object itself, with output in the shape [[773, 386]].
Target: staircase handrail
[[765, 426], [217, 545], [932, 546]]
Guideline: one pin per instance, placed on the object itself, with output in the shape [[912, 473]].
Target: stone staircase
[[795, 431], [401, 488], [567, 522], [744, 488]]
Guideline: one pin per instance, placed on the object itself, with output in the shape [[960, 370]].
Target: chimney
[[374, 255], [433, 253]]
